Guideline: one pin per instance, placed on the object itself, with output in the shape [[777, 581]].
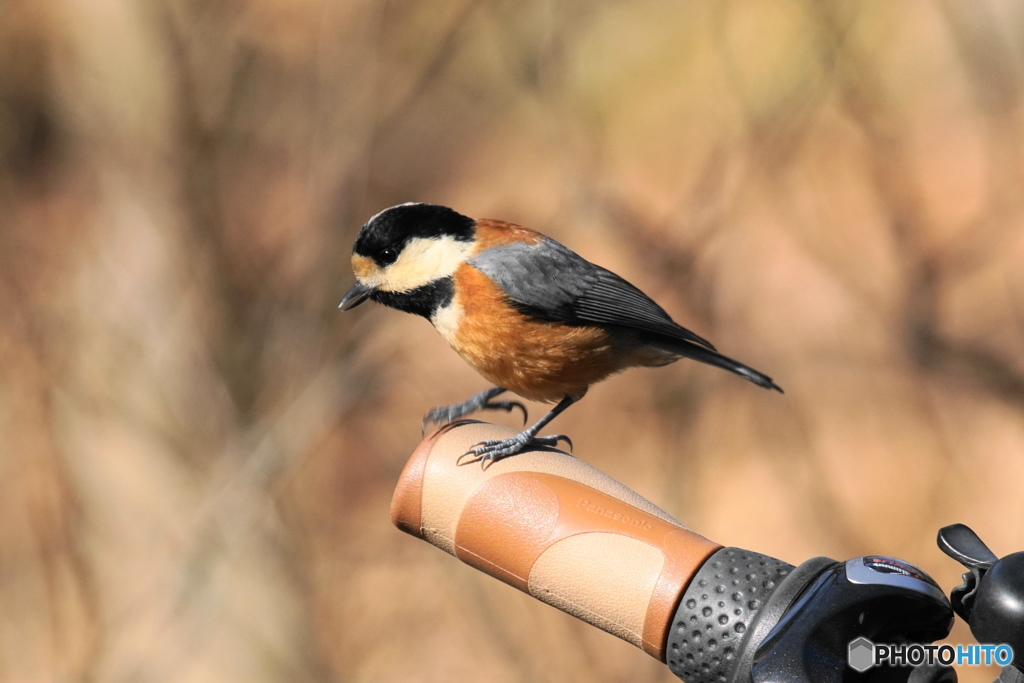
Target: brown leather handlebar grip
[[554, 527]]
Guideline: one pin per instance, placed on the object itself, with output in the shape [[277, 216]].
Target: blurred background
[[197, 450]]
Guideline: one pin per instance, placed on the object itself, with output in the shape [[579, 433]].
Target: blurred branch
[[49, 590], [201, 145], [430, 70], [698, 217], [927, 273], [776, 127], [995, 78]]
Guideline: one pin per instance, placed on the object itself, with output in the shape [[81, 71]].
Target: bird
[[527, 313]]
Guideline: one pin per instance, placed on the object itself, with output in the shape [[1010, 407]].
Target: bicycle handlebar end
[[554, 527]]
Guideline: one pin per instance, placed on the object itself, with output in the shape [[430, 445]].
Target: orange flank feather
[[539, 360]]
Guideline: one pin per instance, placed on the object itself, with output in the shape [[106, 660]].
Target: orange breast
[[540, 361]]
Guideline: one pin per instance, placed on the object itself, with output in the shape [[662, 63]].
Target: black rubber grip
[[714, 616]]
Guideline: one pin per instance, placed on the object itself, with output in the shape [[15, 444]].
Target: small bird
[[530, 315]]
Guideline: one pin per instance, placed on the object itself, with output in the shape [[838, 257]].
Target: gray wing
[[551, 282]]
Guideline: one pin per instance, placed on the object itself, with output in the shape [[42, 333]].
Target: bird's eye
[[388, 256]]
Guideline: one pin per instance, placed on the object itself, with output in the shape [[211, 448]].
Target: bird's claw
[[442, 415], [507, 406], [488, 452]]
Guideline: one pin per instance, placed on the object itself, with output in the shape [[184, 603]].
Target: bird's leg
[[444, 414], [487, 452]]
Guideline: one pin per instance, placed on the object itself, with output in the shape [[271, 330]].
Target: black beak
[[355, 296]]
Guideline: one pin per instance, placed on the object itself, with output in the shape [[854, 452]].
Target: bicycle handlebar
[[554, 527], [570, 536]]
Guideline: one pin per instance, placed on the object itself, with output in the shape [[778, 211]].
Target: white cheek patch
[[422, 261], [446, 320]]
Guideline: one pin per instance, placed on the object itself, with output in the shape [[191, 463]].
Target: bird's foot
[[488, 452], [442, 415]]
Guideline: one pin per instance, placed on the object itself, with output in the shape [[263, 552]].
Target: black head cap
[[386, 234]]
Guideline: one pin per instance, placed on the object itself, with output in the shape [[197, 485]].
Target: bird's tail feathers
[[704, 355]]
